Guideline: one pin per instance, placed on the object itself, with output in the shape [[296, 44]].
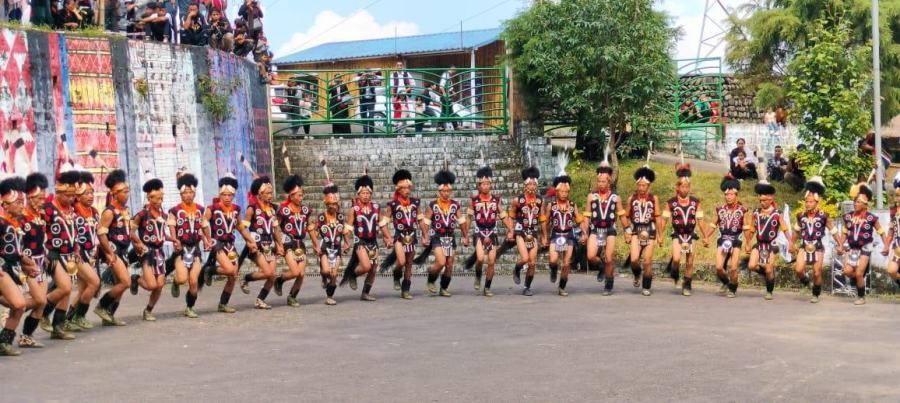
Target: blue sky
[[292, 25]]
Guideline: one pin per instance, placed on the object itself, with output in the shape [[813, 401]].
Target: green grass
[[704, 185]]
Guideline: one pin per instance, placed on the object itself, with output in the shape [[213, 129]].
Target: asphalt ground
[[509, 348]]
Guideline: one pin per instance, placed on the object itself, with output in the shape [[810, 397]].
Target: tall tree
[[828, 84], [766, 35], [604, 63]]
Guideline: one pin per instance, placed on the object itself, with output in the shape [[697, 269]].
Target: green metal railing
[[697, 101], [387, 102]]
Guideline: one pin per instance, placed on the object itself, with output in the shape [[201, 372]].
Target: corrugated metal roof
[[404, 45]]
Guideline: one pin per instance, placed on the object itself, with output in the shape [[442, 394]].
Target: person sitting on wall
[[193, 27], [72, 17], [156, 22], [219, 31], [242, 45], [777, 165], [264, 66]]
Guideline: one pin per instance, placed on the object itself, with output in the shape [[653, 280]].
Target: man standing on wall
[[367, 82], [340, 105]]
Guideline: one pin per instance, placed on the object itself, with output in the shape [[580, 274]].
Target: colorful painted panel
[[16, 115], [93, 107]]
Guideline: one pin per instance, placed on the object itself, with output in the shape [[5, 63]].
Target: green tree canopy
[[602, 63], [828, 84], [767, 35]]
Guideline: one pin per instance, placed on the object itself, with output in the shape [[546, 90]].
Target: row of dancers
[[52, 248]]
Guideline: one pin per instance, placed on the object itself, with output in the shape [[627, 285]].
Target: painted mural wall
[[110, 103]]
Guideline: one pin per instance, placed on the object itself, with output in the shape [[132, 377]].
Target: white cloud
[[360, 25]]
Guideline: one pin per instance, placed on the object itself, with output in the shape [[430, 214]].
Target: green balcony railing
[[388, 102]]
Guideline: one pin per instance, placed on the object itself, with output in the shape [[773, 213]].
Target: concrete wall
[[63, 95]]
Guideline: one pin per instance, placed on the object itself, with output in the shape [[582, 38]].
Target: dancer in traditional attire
[[810, 230], [602, 208], [642, 218], [327, 235], [190, 236], [859, 231], [263, 226], [765, 222], [86, 219], [686, 214], [403, 212], [444, 215], [363, 223], [62, 250], [729, 220], [148, 234], [560, 216], [19, 272], [526, 210], [485, 209], [224, 218], [115, 240], [293, 217]]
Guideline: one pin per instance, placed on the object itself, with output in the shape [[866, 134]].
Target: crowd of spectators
[[188, 22]]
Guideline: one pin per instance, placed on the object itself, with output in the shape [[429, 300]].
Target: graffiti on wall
[[233, 136], [16, 115], [91, 132], [138, 110], [167, 138]]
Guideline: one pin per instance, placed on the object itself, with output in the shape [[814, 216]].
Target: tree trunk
[[613, 158]]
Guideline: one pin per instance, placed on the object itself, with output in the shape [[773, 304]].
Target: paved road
[[466, 348]]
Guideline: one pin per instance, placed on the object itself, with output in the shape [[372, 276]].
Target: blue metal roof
[[404, 45]]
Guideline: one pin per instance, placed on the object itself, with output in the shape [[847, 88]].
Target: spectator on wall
[[306, 110], [87, 12], [72, 17], [252, 15], [770, 121], [367, 83], [261, 48], [156, 22], [40, 13], [242, 45], [193, 28], [219, 32], [14, 10], [340, 101], [264, 66]]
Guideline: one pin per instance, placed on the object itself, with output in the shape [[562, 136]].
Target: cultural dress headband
[[644, 174], [485, 173], [329, 191], [12, 189], [185, 181], [530, 174], [562, 180], [683, 170], [364, 182], [815, 186], [35, 183]]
